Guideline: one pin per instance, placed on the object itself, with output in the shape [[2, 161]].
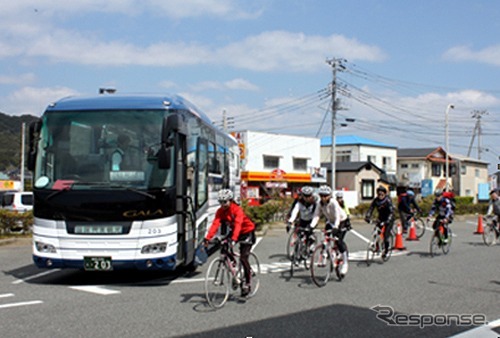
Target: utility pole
[[23, 133], [336, 65], [477, 114]]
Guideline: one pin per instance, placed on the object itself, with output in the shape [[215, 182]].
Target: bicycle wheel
[[321, 265], [446, 245], [217, 283], [255, 280], [435, 243], [388, 252], [489, 234], [290, 244], [370, 251], [419, 227], [296, 254]]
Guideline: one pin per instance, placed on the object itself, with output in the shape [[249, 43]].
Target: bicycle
[[438, 239], [418, 223], [302, 250], [377, 244], [226, 272], [292, 238], [326, 258], [491, 231]]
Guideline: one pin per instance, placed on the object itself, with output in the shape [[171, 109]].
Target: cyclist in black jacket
[[385, 210]]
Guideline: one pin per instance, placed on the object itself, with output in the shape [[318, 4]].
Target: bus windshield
[[101, 149]]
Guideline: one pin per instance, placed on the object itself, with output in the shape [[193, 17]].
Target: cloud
[[287, 51], [235, 84], [489, 55], [176, 9], [22, 79], [33, 100]]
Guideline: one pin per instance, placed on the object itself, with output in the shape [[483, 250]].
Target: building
[[424, 170], [277, 163]]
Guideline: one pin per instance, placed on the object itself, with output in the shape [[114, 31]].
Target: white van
[[18, 201]]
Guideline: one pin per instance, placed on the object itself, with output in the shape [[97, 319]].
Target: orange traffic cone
[[412, 235], [398, 244], [480, 228]]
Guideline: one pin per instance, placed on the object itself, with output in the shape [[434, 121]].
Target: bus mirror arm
[[34, 132], [164, 157]]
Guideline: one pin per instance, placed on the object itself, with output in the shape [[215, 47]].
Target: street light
[[446, 141]]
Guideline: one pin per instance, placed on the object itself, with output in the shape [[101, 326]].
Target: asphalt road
[[411, 295]]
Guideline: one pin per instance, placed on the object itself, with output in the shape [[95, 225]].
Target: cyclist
[[243, 231], [335, 218], [347, 222], [494, 206], [407, 206], [385, 209], [441, 206], [305, 209]]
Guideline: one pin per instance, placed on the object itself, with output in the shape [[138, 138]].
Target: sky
[[265, 63]]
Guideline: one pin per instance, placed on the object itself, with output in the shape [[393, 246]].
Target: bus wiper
[[137, 191]]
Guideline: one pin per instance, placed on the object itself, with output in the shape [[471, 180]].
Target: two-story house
[[273, 163], [424, 170]]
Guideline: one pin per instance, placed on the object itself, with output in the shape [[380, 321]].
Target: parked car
[[17, 201]]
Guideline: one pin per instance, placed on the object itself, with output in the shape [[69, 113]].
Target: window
[[367, 189], [415, 165], [386, 162], [476, 171], [202, 195], [463, 170], [343, 156], [404, 165], [271, 162], [300, 164], [436, 169], [371, 158]]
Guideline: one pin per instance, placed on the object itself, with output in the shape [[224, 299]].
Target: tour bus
[[124, 181]]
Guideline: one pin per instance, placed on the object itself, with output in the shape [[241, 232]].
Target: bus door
[[175, 134]]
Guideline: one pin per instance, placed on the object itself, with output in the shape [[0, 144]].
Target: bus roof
[[122, 101]]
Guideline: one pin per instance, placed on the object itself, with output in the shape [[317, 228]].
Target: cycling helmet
[[339, 194], [324, 190], [410, 193], [225, 195], [382, 189], [306, 190], [438, 192]]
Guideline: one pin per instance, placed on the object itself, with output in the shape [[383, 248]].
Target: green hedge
[[272, 211], [15, 223], [464, 206]]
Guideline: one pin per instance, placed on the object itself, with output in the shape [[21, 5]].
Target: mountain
[[10, 140]]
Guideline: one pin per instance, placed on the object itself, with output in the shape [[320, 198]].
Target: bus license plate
[[97, 263]]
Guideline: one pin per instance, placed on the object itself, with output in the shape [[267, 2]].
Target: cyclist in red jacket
[[241, 227]]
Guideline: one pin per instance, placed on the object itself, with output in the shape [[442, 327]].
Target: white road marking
[[3, 306], [357, 234], [5, 295], [19, 281], [100, 290]]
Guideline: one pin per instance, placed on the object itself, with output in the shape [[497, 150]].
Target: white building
[[277, 162]]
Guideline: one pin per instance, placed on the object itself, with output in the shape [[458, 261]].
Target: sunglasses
[[224, 202]]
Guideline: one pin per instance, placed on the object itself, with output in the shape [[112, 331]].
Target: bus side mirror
[[34, 132], [172, 124], [165, 157]]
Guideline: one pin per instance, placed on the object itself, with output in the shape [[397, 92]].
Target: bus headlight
[[154, 248], [44, 247]]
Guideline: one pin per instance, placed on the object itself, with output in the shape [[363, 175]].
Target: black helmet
[[438, 192], [382, 189]]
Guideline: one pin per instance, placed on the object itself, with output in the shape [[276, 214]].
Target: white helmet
[[307, 190], [339, 194], [225, 195], [324, 190]]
